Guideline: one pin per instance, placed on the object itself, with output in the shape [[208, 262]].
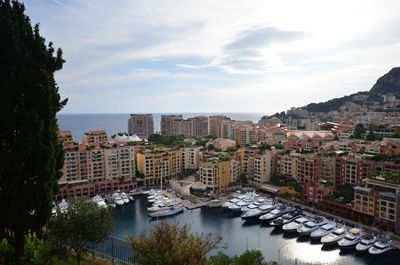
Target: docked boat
[[323, 230], [366, 242], [254, 214], [295, 224], [334, 237], [110, 202], [285, 218], [124, 197], [130, 197], [117, 199], [99, 201], [311, 226], [352, 238], [230, 203], [275, 213], [167, 211], [215, 203], [249, 207], [381, 247]]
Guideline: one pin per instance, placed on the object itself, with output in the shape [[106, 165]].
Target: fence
[[114, 250]]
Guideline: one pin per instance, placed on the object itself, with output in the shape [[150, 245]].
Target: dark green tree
[[249, 257], [82, 225], [171, 244], [358, 131], [31, 154]]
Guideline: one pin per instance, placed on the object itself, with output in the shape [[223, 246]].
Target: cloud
[[250, 51]]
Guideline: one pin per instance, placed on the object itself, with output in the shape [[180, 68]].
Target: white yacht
[[311, 226], [110, 202], [381, 247], [334, 237], [275, 213], [249, 207], [124, 197], [366, 242], [352, 238], [294, 225], [117, 199], [167, 211], [130, 197], [285, 218], [230, 203], [324, 230], [215, 203], [99, 201]]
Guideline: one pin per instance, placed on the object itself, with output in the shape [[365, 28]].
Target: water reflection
[[238, 236]]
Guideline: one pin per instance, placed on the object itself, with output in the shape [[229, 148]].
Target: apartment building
[[91, 163], [217, 174], [305, 168], [256, 164], [199, 126], [154, 165], [91, 137], [380, 200], [245, 134], [352, 169], [190, 157], [169, 124], [214, 125], [66, 137], [141, 124]]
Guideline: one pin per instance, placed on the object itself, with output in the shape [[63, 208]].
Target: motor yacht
[[311, 226], [366, 242], [167, 211], [110, 202], [352, 238], [381, 247], [117, 199], [249, 207], [285, 218], [275, 213], [323, 230], [99, 201], [63, 206], [295, 224], [334, 237]]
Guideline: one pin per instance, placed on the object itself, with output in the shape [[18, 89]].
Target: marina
[[239, 235]]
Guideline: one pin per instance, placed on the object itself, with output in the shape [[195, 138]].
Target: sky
[[132, 56]]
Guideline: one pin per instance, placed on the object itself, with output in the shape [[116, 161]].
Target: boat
[[285, 218], [381, 247], [99, 201], [366, 242], [311, 226], [167, 211], [323, 230], [54, 209], [110, 202], [295, 224], [249, 207], [124, 197], [230, 203], [275, 213], [352, 238], [334, 237], [215, 203], [255, 213], [117, 199], [63, 206], [130, 197]]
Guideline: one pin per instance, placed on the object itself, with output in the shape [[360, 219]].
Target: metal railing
[[115, 250]]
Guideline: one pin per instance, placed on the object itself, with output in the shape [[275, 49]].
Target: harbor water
[[132, 219]]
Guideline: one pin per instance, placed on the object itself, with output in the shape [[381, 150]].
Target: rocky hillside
[[385, 85]]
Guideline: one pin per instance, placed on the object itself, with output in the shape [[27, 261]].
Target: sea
[[114, 123], [237, 235]]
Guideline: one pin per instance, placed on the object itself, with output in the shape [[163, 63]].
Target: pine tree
[[31, 155]]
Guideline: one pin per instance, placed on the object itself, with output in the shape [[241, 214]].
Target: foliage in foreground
[[84, 224], [249, 257], [172, 244], [31, 154]]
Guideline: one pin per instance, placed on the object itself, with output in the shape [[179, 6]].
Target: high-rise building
[[214, 125], [141, 125], [199, 126], [169, 124]]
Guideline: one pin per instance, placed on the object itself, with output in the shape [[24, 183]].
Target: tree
[[171, 244], [31, 154], [249, 257], [84, 224], [358, 131]]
